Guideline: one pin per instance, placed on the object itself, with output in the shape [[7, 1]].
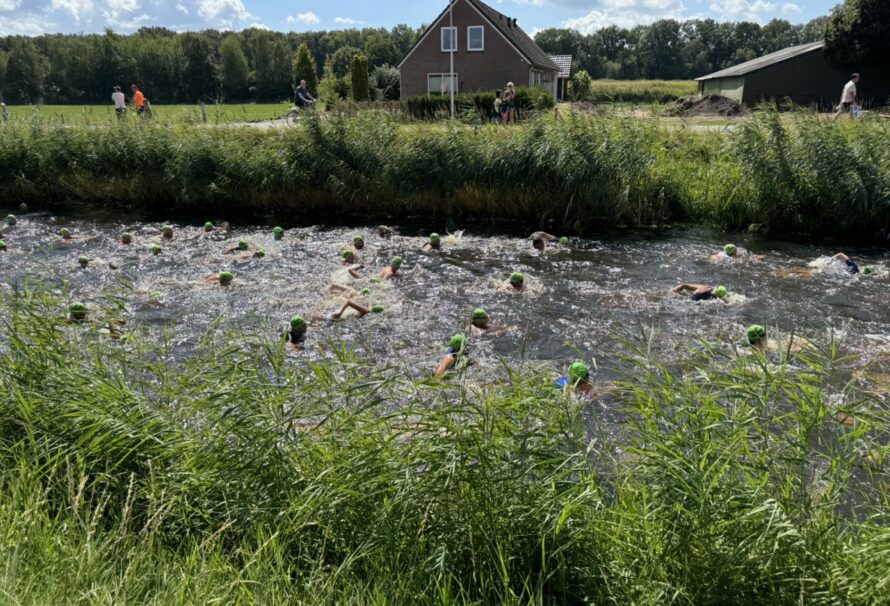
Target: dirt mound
[[713, 105]]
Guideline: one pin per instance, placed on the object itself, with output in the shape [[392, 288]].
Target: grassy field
[[245, 476], [640, 91], [168, 114]]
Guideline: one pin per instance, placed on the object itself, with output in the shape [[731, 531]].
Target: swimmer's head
[[517, 279], [77, 311], [298, 324], [435, 240], [126, 238], [374, 280], [457, 344], [730, 249], [578, 372], [225, 278], [208, 226], [365, 292], [156, 249], [480, 318], [167, 231], [396, 263], [11, 220], [277, 233], [377, 309], [756, 334], [868, 269], [2, 245], [259, 254], [358, 242], [65, 233], [721, 292], [242, 245], [83, 261], [347, 255], [538, 243], [564, 241]]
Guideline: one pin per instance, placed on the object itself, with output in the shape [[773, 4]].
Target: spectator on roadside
[[138, 100], [498, 102], [120, 102], [302, 97], [508, 104], [4, 112], [849, 97]]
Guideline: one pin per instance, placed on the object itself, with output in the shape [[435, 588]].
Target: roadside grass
[[243, 476], [78, 115]]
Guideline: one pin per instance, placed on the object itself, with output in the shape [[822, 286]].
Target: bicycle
[[293, 116]]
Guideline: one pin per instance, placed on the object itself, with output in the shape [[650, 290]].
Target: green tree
[[358, 75], [580, 89], [386, 83], [858, 32], [660, 51], [25, 72], [304, 69], [331, 88], [341, 60], [198, 70], [271, 66], [233, 68]]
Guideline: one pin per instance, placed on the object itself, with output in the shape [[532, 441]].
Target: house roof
[[508, 28], [764, 61], [564, 63]]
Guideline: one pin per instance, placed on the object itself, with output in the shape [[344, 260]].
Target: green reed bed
[[640, 91], [786, 175], [242, 476]]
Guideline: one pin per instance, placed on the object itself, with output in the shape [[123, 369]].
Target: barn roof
[[564, 63], [764, 61]]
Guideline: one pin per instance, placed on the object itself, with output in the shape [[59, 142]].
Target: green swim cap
[[277, 233], [297, 323], [457, 343], [578, 372], [2, 245], [259, 254], [434, 237], [84, 261], [396, 262], [347, 254], [208, 226], [156, 249], [868, 269], [563, 241], [78, 311], [516, 278], [479, 314], [126, 238], [365, 292], [167, 230], [720, 292], [377, 309], [11, 219], [374, 280], [756, 332], [65, 232], [242, 245], [729, 249], [358, 240], [225, 278]]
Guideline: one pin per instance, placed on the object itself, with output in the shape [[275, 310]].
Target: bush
[[580, 88], [536, 98], [386, 83], [438, 106]]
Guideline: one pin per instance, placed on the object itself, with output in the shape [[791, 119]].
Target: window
[[449, 39], [437, 84], [475, 38]]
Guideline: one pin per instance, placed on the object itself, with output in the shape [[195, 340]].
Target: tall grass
[[640, 91], [241, 476], [786, 174]]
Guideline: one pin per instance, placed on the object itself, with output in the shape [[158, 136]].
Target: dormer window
[[476, 38], [449, 39]]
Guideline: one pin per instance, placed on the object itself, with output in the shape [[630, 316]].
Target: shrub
[[358, 75], [580, 86]]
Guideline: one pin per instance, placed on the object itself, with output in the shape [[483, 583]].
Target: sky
[[33, 17]]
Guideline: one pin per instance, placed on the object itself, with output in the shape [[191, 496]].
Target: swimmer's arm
[[354, 273], [841, 257], [685, 287], [445, 363]]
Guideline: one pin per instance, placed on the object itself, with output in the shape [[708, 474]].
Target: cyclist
[[303, 98]]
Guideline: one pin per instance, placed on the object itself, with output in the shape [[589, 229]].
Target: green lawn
[[95, 114]]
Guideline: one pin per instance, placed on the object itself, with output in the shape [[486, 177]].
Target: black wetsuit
[[703, 296], [852, 267]]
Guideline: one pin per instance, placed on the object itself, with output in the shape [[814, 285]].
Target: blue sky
[[31, 17]]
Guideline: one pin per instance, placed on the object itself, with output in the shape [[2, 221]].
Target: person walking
[[849, 97], [120, 102], [138, 100], [508, 104]]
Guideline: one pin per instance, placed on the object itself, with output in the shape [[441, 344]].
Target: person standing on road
[[302, 97], [849, 97], [120, 102], [138, 100], [508, 104]]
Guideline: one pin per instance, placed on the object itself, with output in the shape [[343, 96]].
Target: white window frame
[[455, 80], [469, 37], [442, 39]]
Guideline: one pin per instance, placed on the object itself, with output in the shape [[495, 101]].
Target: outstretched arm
[[446, 362]]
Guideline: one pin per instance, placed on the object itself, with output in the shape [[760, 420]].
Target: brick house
[[489, 48]]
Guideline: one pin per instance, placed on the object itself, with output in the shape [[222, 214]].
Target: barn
[[803, 74]]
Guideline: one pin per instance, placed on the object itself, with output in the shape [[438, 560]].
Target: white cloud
[[789, 8], [347, 21], [75, 8], [24, 26], [626, 13], [182, 8], [8, 5], [223, 13], [307, 18], [741, 10]]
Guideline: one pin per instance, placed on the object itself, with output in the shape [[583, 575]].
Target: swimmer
[[126, 238], [851, 267], [700, 292], [242, 246], [727, 254], [206, 230], [456, 348], [66, 237], [386, 232], [361, 309], [278, 233], [435, 243], [391, 271], [358, 242], [347, 257], [222, 278], [167, 232], [2, 245], [757, 337], [578, 377], [515, 283], [540, 238], [480, 319], [481, 325], [297, 333], [11, 220]]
